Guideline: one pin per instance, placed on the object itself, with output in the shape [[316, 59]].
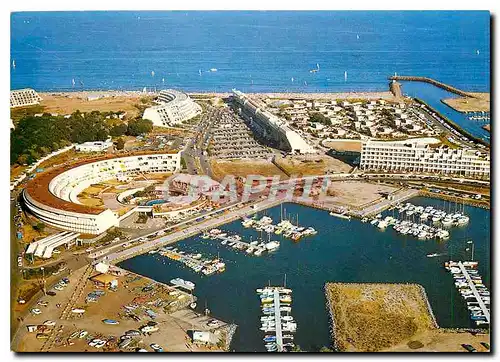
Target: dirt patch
[[245, 168], [481, 103], [373, 317], [356, 194], [67, 103], [311, 165], [343, 145], [443, 340]]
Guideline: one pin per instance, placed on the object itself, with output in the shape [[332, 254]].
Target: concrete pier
[[472, 286], [277, 319], [434, 82]]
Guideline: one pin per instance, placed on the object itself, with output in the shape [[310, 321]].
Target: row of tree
[[35, 137]]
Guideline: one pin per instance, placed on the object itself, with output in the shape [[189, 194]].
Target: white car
[[82, 334], [36, 311], [43, 303], [58, 287], [49, 323], [101, 343], [93, 342]]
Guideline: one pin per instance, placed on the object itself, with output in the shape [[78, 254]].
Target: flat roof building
[[94, 146], [24, 97], [270, 127], [415, 156]]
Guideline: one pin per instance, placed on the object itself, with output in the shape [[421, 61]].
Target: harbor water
[[342, 251]]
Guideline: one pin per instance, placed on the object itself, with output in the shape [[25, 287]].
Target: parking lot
[[230, 138]]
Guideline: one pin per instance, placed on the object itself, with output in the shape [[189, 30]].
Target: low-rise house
[[105, 280]]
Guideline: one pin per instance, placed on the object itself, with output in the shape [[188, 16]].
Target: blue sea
[[252, 51]]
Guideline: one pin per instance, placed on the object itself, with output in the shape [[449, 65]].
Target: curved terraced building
[[173, 108], [53, 195]]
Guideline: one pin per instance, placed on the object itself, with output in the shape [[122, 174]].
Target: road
[[193, 151], [190, 230]]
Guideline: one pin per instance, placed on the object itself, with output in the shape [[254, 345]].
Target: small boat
[[433, 255], [110, 321], [193, 305], [213, 69]]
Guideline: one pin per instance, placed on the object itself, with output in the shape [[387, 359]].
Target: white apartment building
[[96, 146], [271, 127], [173, 108], [53, 195], [417, 156], [24, 97]]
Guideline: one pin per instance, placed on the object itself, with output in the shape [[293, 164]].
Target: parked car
[[36, 311], [101, 343], [485, 345], [156, 347], [82, 334], [132, 332], [51, 293], [468, 347]]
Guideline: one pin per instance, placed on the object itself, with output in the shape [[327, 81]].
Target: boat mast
[[472, 253], [284, 284]]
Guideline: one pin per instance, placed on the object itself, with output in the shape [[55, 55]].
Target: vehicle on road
[[36, 311]]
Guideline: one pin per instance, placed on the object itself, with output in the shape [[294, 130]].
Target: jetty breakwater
[[434, 82]]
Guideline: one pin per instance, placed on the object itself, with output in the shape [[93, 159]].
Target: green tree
[[22, 159], [39, 227], [139, 126], [118, 130], [320, 118], [120, 144]]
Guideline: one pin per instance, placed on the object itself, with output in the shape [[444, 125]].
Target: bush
[[139, 126], [118, 130], [120, 144], [320, 118]]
